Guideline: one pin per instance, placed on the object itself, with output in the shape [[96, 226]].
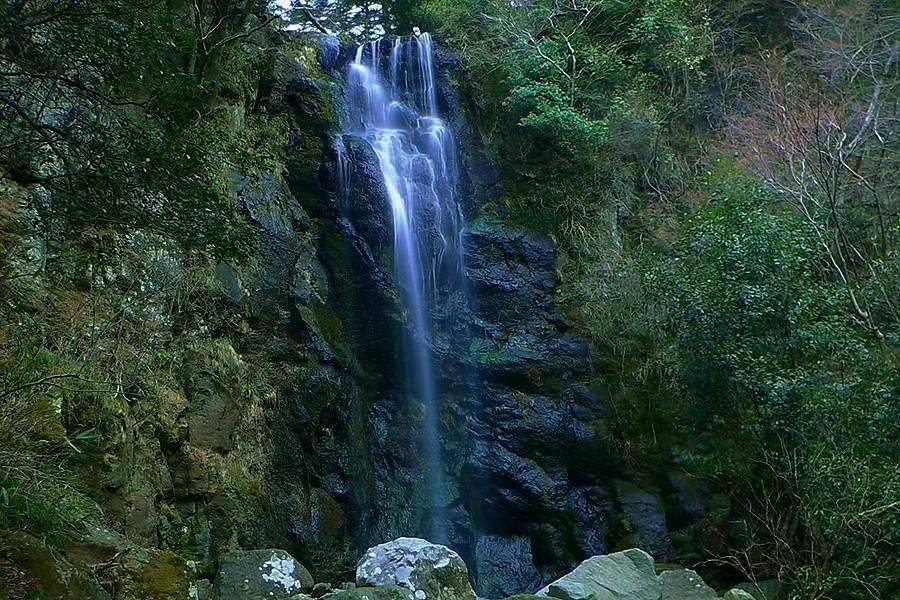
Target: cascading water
[[392, 104]]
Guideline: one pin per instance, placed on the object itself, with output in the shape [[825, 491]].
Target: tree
[[220, 23], [359, 19], [819, 130], [782, 397], [107, 119]]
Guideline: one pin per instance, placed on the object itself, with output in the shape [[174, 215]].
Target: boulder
[[33, 569], [627, 575], [261, 575], [149, 574], [762, 590], [390, 592], [684, 584], [430, 571], [737, 594]]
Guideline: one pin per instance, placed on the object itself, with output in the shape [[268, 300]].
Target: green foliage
[[129, 123], [771, 388], [37, 492], [555, 81]]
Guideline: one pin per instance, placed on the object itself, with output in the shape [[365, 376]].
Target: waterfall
[[392, 104]]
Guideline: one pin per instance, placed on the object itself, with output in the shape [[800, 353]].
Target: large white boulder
[[429, 571]]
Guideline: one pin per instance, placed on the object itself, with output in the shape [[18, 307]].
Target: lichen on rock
[[429, 571], [261, 574]]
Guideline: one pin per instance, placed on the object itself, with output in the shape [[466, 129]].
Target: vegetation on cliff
[[720, 178], [718, 174]]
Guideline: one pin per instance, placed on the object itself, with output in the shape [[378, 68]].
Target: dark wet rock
[[546, 429], [594, 513], [484, 175], [512, 486], [369, 212], [521, 333], [645, 518], [329, 53], [511, 268], [504, 565], [260, 575], [430, 571], [687, 499], [305, 96], [403, 116]]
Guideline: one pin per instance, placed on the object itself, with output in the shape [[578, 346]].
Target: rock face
[[429, 571], [646, 518], [259, 575], [684, 584], [504, 563], [627, 575], [526, 440]]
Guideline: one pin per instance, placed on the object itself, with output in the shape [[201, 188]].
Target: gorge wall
[[532, 484], [287, 422]]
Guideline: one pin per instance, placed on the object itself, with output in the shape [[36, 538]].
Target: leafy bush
[[38, 493], [145, 136], [772, 388]]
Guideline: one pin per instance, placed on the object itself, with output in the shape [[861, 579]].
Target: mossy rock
[[99, 545], [261, 575], [213, 377], [43, 573], [390, 592], [153, 575]]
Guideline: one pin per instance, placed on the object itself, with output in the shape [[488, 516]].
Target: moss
[[482, 352], [153, 575], [43, 572], [484, 222]]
